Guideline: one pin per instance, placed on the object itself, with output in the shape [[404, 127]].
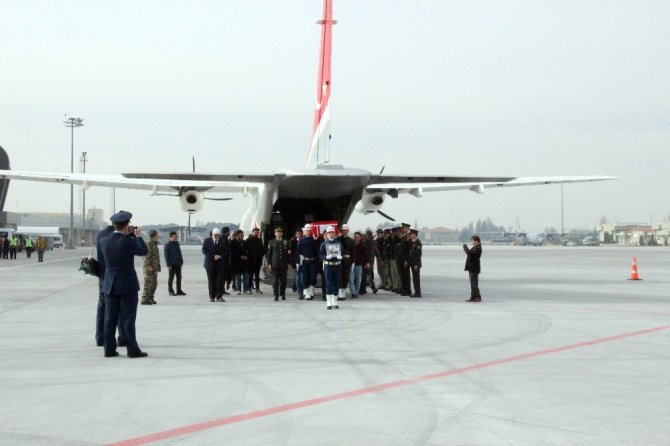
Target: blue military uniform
[[307, 258], [331, 254], [121, 286], [100, 314]]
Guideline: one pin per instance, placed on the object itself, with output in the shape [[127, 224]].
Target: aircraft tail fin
[[322, 110]]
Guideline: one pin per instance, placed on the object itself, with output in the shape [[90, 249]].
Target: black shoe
[[111, 355], [181, 293], [375, 290], [301, 297], [474, 299], [153, 301], [283, 298], [337, 307], [415, 295], [138, 355], [341, 298], [99, 343], [276, 299], [353, 296], [220, 299], [323, 298], [171, 293], [311, 298], [211, 299], [327, 308], [147, 302]]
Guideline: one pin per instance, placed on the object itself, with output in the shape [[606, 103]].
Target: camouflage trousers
[[150, 285], [396, 281], [386, 281]]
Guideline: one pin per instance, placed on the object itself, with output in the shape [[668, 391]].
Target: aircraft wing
[[156, 185], [416, 185]]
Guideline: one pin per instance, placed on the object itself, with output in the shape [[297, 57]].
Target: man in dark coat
[[415, 251], [256, 253], [295, 263], [278, 260], [174, 261], [120, 284], [347, 264], [216, 259], [404, 261], [472, 265], [239, 260]]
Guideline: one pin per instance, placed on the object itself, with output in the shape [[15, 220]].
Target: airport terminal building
[[635, 234]]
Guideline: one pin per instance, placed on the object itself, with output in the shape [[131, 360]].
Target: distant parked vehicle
[[590, 241]]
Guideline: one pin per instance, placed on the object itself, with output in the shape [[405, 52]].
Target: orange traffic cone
[[633, 271]]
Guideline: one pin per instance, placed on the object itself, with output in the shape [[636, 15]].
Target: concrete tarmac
[[563, 350]]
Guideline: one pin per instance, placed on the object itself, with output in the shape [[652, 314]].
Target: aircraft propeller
[[385, 215]]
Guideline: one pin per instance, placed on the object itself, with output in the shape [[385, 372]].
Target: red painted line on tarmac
[[145, 439]]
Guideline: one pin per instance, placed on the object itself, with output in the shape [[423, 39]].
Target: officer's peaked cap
[[121, 217]]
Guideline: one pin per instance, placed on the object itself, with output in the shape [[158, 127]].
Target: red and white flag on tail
[[322, 111]]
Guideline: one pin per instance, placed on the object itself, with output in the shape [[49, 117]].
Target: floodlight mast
[[72, 123]]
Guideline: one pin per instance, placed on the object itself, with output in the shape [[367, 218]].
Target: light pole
[[72, 123], [83, 160]]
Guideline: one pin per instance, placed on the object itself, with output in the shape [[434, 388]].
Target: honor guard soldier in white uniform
[[331, 254], [307, 252]]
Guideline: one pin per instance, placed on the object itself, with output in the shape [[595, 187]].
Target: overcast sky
[[504, 88]]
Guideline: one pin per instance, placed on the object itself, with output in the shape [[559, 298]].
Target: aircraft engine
[[191, 201], [370, 202]]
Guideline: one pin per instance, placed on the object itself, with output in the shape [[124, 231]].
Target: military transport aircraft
[[291, 197]]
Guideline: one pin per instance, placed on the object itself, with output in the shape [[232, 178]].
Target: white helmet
[[330, 229]]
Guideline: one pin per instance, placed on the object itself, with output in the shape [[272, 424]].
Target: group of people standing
[[354, 271], [345, 263], [232, 260], [11, 244]]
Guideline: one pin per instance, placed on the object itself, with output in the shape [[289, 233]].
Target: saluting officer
[[278, 259], [415, 252], [120, 283]]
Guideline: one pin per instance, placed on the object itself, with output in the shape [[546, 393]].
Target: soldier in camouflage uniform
[[278, 260], [40, 246], [152, 265]]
